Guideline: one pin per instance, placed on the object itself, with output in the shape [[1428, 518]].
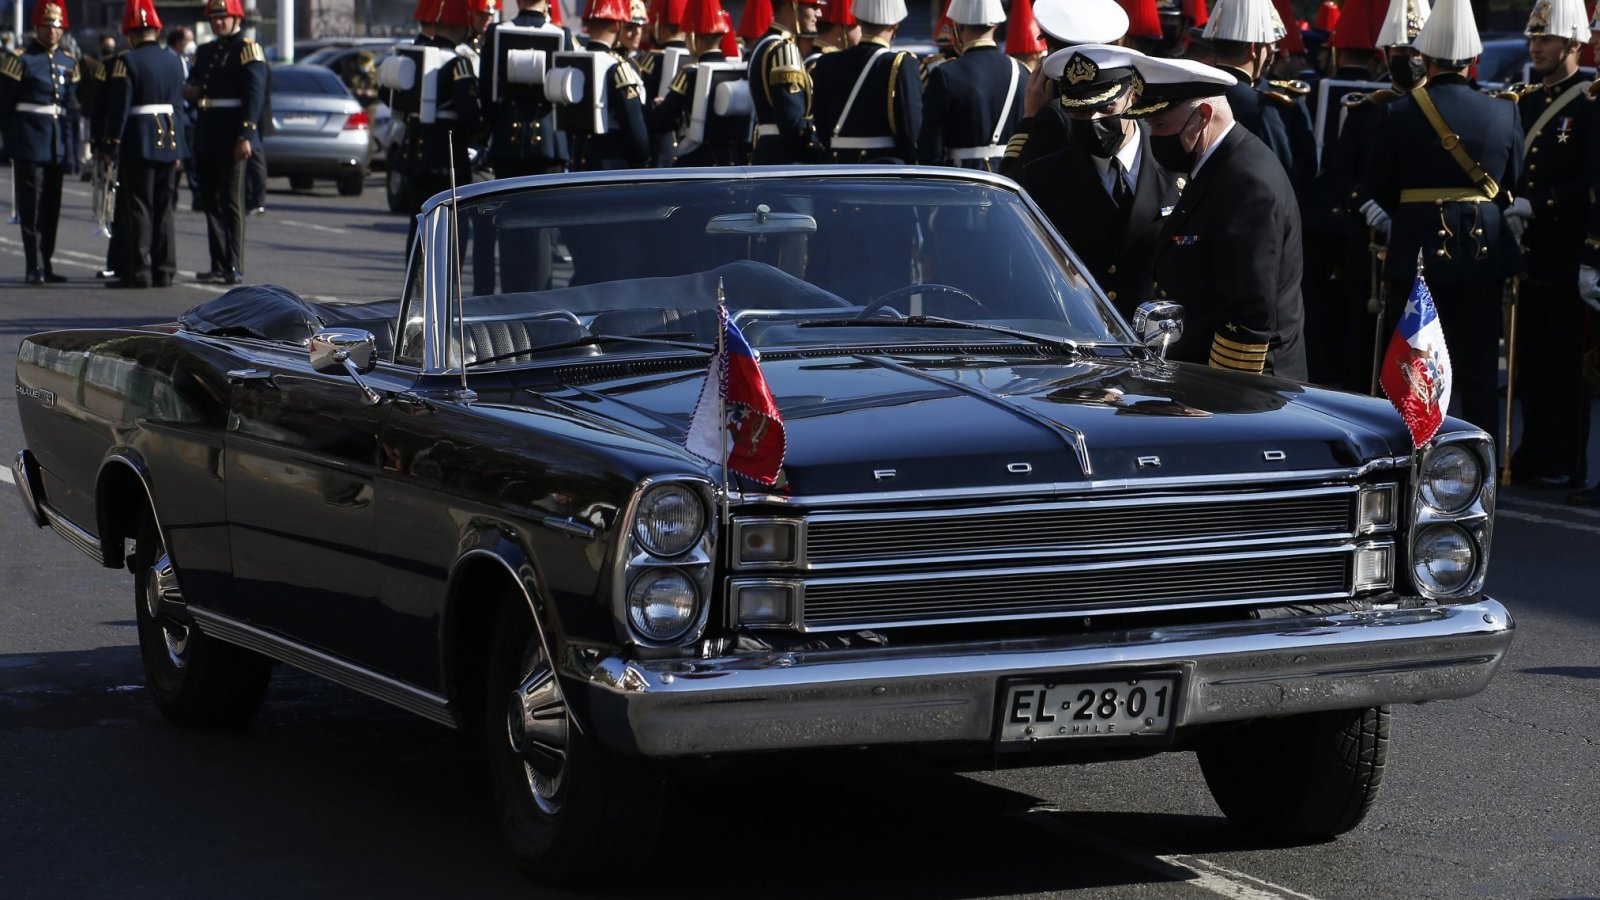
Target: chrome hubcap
[[536, 725], [160, 591]]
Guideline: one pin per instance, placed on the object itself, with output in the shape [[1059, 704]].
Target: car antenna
[[467, 395]]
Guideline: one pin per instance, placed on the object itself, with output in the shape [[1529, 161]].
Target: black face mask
[[1407, 71], [1169, 151], [1103, 136]]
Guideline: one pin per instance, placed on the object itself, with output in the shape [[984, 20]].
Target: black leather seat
[[700, 323], [499, 337]]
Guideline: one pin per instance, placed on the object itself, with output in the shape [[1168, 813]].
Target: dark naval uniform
[[143, 115], [425, 157], [663, 141], [1230, 254], [523, 138], [1560, 133], [1047, 131], [231, 74], [726, 137], [1260, 115], [781, 94], [1117, 241], [875, 118], [970, 107], [626, 143], [36, 88], [1454, 221]]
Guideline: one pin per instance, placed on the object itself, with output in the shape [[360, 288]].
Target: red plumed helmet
[[454, 12], [1195, 12], [484, 7], [1291, 42], [140, 14], [839, 12], [614, 10], [1327, 16], [50, 12], [668, 12], [1143, 19], [730, 41], [224, 8], [1022, 32], [754, 19], [705, 17], [1359, 23], [555, 13]]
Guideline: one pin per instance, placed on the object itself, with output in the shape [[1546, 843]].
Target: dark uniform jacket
[[781, 92], [1230, 254], [231, 73], [886, 118], [663, 141], [36, 88], [1341, 189], [146, 76], [1046, 132], [1555, 177], [1119, 248], [426, 149], [726, 138], [1260, 115], [962, 105], [521, 130], [1476, 246], [626, 143]]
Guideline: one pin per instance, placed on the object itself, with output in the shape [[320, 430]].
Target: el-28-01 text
[[1034, 711]]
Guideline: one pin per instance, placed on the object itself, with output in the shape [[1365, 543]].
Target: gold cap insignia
[[52, 13], [1138, 83], [1081, 69]]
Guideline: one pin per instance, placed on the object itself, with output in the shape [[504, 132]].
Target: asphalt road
[[332, 794]]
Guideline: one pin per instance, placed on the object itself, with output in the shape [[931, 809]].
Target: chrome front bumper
[[924, 695]]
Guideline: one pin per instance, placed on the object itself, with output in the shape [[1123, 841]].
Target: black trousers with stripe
[[39, 209], [221, 181]]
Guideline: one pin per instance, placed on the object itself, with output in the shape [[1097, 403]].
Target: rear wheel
[[567, 808], [351, 185], [1309, 777], [302, 182], [195, 679]]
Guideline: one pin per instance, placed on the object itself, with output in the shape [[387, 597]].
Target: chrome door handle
[[241, 376]]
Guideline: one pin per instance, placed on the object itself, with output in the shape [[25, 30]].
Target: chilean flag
[[736, 421], [1416, 369]]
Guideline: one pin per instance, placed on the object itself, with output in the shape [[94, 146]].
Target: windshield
[[547, 273]]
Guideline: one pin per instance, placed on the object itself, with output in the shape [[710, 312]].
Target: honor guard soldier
[[971, 105], [631, 36], [626, 141], [944, 39], [1105, 192], [780, 88], [1230, 250], [1552, 199], [483, 16], [144, 127], [228, 83], [1440, 158], [35, 89], [425, 153], [1589, 281], [723, 140], [1024, 42], [523, 138], [869, 98], [837, 28], [1044, 127], [659, 68], [1241, 39]]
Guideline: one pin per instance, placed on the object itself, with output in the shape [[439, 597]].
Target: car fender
[[112, 499]]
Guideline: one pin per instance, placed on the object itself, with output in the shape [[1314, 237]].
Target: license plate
[[299, 121], [1045, 710]]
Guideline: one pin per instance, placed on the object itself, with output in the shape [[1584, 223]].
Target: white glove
[[1589, 286], [1518, 215], [1377, 219]]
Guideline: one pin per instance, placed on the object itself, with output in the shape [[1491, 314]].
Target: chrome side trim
[[25, 472], [1064, 488], [1232, 671], [75, 535], [382, 687]]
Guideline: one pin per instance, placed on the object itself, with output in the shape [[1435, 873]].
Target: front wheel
[[1310, 777], [195, 679], [302, 182], [567, 808]]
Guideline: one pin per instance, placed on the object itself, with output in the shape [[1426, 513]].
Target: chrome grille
[[848, 603], [1085, 526]]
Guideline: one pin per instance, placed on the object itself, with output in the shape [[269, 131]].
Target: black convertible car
[[1006, 531]]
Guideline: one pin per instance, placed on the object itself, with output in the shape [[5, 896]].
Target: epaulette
[[784, 66], [463, 67], [251, 53], [625, 77], [1592, 92], [1294, 86], [1282, 98], [1383, 95], [648, 64], [1354, 99], [1515, 92], [120, 69], [11, 67], [680, 84]]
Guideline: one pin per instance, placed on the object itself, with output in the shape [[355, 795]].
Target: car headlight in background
[[1452, 475], [670, 519], [1443, 558], [663, 604]]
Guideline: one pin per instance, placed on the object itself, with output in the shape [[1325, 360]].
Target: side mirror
[[341, 351], [1159, 324]]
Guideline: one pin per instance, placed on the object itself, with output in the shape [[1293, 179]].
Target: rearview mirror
[[339, 351], [762, 221], [1159, 324]]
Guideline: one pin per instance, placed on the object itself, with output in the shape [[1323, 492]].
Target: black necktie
[[1121, 194]]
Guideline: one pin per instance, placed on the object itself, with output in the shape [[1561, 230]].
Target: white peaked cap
[[974, 12], [1558, 18], [1404, 19], [1081, 21], [1450, 33], [1246, 21], [880, 12], [1104, 56]]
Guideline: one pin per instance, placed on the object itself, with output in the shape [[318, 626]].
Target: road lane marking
[[1181, 867], [313, 226], [5, 475], [1546, 520], [1554, 507]]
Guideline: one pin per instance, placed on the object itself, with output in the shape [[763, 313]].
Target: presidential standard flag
[[1416, 368], [736, 421]]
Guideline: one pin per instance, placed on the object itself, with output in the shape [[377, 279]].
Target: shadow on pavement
[[1567, 671]]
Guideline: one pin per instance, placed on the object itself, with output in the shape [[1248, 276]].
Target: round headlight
[[1451, 477], [670, 519], [662, 604], [1443, 559]]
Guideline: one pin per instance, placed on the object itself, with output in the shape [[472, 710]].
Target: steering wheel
[[884, 301]]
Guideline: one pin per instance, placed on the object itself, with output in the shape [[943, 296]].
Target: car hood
[[874, 423]]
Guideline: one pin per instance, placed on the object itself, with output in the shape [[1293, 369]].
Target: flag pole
[[722, 395], [1511, 382]]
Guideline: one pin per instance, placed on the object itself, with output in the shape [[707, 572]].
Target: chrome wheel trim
[[536, 728], [161, 583]]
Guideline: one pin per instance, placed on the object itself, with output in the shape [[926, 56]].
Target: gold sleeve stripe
[[1242, 348], [1219, 363], [1248, 359], [251, 53], [782, 77]]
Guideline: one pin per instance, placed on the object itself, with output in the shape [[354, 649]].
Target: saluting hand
[[1037, 96], [241, 151]]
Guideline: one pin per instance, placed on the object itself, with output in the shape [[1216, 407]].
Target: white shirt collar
[[1210, 150]]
